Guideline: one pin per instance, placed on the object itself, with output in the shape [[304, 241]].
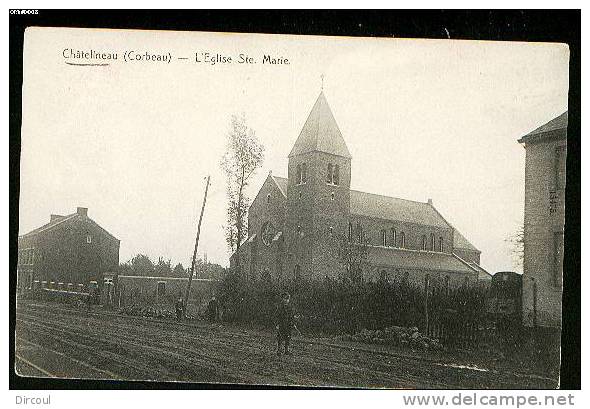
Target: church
[[294, 222]]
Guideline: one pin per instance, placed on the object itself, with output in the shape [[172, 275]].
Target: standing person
[[284, 323], [213, 310], [179, 309]]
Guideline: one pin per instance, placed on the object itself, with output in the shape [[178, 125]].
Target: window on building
[[402, 238], [423, 242], [383, 276], [331, 231], [440, 244], [303, 173], [349, 231], [298, 177], [359, 232], [447, 284], [332, 196], [393, 238], [299, 231], [557, 258], [384, 237], [333, 174], [300, 194], [268, 198], [88, 238], [432, 242], [297, 272]]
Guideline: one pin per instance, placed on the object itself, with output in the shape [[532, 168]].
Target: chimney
[[82, 211], [430, 202], [55, 217]]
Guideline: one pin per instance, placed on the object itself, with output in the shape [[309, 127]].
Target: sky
[[134, 140]]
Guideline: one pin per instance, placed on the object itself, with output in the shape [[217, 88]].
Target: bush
[[337, 307]]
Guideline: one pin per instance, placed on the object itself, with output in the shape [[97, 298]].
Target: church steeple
[[320, 132]]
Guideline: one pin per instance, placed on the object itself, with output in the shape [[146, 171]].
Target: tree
[[516, 242], [352, 254], [243, 156], [179, 271], [163, 268], [141, 265]]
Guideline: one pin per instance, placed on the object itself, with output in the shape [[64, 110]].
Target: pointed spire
[[320, 132]]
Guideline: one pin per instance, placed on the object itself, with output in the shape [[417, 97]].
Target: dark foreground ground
[[59, 341]]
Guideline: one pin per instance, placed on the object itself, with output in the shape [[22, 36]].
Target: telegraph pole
[[192, 269]]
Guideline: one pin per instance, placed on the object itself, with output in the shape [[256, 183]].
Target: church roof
[[417, 259], [556, 124], [320, 132], [460, 242], [282, 183], [393, 208]]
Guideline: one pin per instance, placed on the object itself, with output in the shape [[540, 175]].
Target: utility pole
[[192, 269]]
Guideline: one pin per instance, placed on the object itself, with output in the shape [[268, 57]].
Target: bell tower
[[318, 195]]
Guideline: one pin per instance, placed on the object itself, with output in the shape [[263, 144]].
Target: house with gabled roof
[[66, 253], [293, 221]]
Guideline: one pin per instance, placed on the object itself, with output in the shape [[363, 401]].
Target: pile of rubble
[[150, 312], [396, 336]]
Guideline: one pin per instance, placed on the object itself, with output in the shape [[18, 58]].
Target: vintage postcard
[[291, 210]]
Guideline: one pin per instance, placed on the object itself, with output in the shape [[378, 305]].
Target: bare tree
[[243, 156], [516, 242]]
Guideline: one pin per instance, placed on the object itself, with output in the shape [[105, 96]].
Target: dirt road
[[57, 341]]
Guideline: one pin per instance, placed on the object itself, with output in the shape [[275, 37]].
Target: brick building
[[293, 222], [70, 249], [544, 217]]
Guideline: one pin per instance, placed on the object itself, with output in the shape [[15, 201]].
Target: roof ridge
[[49, 225]]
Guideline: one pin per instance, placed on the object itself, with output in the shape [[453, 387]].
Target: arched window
[[331, 231], [402, 240], [440, 244], [304, 173], [393, 238], [384, 237], [423, 242], [268, 198], [332, 196], [333, 174], [432, 244], [359, 232], [298, 177]]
